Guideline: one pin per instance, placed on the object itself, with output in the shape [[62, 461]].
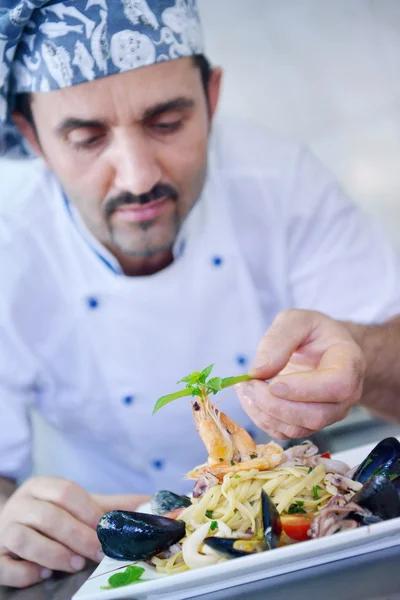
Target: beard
[[144, 239]]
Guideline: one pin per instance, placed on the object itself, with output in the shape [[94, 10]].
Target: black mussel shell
[[392, 472], [164, 502], [379, 460], [136, 536], [380, 497], [271, 521], [233, 548]]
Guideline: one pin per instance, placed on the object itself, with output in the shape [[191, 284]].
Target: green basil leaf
[[196, 392], [229, 381], [170, 398], [215, 384], [130, 575], [207, 372]]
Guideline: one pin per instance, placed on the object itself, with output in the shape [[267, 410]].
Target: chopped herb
[[221, 460], [315, 490], [130, 575], [233, 463], [310, 470], [296, 508], [209, 514], [237, 476], [253, 456], [213, 526]]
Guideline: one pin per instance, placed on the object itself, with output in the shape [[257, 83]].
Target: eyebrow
[[179, 104], [168, 106], [73, 123]]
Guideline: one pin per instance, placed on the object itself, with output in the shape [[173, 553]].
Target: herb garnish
[[315, 490], [233, 463], [253, 456], [199, 384], [296, 508], [209, 514], [213, 526], [310, 470], [237, 476], [130, 575]]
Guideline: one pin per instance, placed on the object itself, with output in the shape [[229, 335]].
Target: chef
[[153, 240]]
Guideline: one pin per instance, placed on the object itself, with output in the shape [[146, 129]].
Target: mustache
[[126, 198]]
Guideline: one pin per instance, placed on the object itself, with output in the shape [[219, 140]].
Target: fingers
[[337, 379], [60, 526], [32, 546], [21, 573], [285, 419], [67, 495], [127, 502], [290, 329]]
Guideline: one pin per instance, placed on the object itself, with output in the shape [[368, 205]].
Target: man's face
[[130, 151]]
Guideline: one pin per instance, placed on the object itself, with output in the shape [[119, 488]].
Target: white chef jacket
[[92, 349]]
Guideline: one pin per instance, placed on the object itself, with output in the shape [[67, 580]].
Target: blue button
[[158, 464], [92, 303], [128, 400], [242, 361], [217, 261]]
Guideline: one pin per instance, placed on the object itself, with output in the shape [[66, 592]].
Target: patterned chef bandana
[[47, 45]]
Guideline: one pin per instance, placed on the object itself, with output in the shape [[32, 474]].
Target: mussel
[[272, 529], [164, 502], [135, 536], [380, 497], [382, 460]]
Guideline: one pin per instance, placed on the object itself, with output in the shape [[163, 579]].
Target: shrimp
[[230, 447]]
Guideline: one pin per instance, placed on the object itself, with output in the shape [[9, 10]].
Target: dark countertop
[[375, 576]]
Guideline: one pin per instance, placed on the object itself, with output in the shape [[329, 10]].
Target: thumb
[[291, 329], [125, 502]]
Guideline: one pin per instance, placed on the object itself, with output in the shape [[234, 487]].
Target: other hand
[[315, 372]]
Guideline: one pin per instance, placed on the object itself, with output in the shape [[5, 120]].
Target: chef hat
[[47, 45]]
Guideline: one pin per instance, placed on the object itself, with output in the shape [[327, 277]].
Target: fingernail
[[259, 363], [279, 389], [77, 563], [46, 573], [100, 556]]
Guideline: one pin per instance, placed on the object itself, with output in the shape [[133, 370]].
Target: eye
[[167, 126], [85, 139], [89, 143]]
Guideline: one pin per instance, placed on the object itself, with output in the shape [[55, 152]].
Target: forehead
[[122, 95]]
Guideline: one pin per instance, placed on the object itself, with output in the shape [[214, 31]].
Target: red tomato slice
[[326, 455], [297, 526]]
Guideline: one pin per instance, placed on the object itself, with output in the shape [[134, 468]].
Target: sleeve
[[339, 261]]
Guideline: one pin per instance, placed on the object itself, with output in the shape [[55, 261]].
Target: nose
[[135, 162]]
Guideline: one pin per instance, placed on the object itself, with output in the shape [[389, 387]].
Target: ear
[[214, 90], [28, 132]]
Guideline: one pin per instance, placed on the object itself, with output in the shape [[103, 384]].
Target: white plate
[[250, 568]]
